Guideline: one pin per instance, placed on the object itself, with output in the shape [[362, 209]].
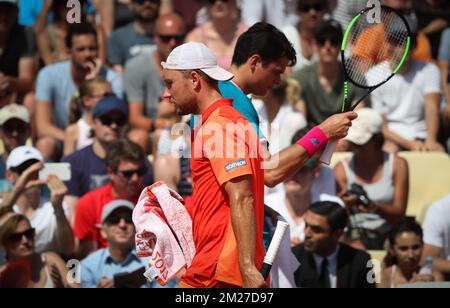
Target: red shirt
[[88, 215], [226, 156]]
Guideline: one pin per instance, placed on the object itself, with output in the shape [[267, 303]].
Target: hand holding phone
[[61, 170]]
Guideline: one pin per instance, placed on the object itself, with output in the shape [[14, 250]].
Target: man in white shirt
[[437, 235]]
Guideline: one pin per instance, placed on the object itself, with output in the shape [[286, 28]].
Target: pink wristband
[[314, 141]]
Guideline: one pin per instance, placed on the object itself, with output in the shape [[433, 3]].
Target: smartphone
[[132, 280], [62, 170]]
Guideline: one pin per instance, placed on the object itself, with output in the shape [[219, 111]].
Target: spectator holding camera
[[380, 195], [53, 230]]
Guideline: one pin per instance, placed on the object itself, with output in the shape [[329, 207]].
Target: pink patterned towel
[[163, 232]]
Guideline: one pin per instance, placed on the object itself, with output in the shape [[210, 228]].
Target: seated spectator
[[127, 167], [79, 134], [143, 75], [221, 33], [119, 257], [403, 260], [58, 83], [27, 268], [17, 53], [321, 83], [302, 36], [437, 236], [444, 65], [89, 168], [132, 39], [14, 132], [381, 197], [326, 263], [48, 217], [410, 102], [278, 13]]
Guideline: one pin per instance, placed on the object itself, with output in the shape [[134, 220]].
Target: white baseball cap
[[21, 155], [115, 205], [14, 111], [368, 124], [196, 56]]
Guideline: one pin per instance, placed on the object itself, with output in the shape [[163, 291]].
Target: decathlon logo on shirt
[[236, 164]]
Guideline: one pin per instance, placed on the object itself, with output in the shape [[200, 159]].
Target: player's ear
[[254, 61]]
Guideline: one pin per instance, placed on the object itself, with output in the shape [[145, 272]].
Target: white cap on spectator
[[21, 155], [196, 56], [368, 124], [14, 111], [115, 205]]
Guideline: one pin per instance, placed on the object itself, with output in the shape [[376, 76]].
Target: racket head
[[375, 47]]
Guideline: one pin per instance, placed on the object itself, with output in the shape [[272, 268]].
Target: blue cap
[[109, 104]]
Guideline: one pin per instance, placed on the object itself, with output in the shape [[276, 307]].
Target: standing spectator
[[221, 33], [278, 13], [326, 263], [384, 180], [17, 53], [27, 268], [437, 235], [14, 132], [78, 134], [321, 83], [58, 83], [302, 36], [126, 165], [143, 75], [48, 217], [131, 40], [410, 102], [404, 256], [119, 257]]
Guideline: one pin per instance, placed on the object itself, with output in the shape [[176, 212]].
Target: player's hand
[[336, 127], [252, 279]]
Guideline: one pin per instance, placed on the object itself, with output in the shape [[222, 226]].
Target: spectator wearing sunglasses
[[321, 82], [14, 132], [27, 268], [221, 32], [311, 13], [143, 81], [127, 168], [117, 229], [48, 217], [131, 40]]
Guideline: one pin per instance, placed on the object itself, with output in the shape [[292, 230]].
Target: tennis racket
[[274, 246], [374, 49]]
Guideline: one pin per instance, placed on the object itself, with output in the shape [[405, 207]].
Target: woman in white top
[[25, 268], [78, 134]]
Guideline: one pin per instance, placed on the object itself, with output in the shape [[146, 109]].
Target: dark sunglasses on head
[[108, 121], [308, 7], [335, 41], [128, 174], [29, 234], [141, 2], [167, 38], [116, 219]]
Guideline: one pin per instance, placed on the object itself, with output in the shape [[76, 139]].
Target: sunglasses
[[212, 2], [108, 121], [102, 95], [308, 7], [335, 41], [116, 219], [129, 173], [141, 2], [23, 167], [14, 126], [17, 237], [168, 38]]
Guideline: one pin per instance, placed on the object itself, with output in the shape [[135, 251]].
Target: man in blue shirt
[[98, 269]]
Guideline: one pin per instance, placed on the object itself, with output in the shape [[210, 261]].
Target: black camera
[[358, 190]]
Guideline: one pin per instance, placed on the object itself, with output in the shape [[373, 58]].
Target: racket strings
[[374, 50]]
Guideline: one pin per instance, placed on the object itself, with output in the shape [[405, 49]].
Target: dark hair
[[300, 134], [79, 29], [336, 215], [265, 40], [123, 150], [406, 226]]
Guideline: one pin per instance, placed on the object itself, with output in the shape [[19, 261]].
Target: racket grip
[[328, 153], [274, 247]]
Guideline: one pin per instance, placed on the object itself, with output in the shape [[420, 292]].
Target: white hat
[[21, 155], [368, 123], [196, 56], [14, 111], [113, 206]]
